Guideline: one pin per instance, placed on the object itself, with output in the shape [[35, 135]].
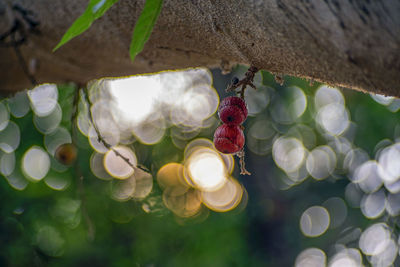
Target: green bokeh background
[[43, 227]]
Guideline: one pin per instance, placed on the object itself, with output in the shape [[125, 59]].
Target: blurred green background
[[324, 188]]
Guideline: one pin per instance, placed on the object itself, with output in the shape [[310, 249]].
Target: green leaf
[[144, 26], [95, 10]]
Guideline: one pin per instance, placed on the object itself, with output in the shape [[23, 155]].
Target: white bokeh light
[[381, 99], [311, 257], [347, 257], [334, 118], [43, 99], [288, 105], [367, 177], [225, 198], [288, 153], [146, 105], [4, 116], [374, 239], [136, 97], [389, 167], [206, 169], [373, 205], [116, 166], [321, 162], [326, 95], [7, 163], [314, 221], [36, 163], [19, 104], [10, 137]]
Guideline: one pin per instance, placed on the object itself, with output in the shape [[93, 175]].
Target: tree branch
[[102, 140], [340, 43]]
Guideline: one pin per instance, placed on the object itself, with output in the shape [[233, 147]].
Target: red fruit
[[228, 139], [232, 110]]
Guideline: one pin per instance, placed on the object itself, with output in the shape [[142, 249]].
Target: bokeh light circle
[[321, 162], [347, 257], [311, 257], [4, 116], [43, 99], [49, 122], [314, 221], [7, 163], [36, 163], [288, 153], [225, 198], [19, 104], [116, 166], [144, 184], [373, 205], [374, 239], [10, 137], [205, 169], [171, 174]]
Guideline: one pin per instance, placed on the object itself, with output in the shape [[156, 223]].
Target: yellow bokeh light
[[170, 175], [194, 145], [182, 201], [205, 169], [225, 198]]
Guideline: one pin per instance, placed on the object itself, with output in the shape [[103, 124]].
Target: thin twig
[[242, 163], [102, 140], [246, 81]]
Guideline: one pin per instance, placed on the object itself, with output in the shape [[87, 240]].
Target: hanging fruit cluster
[[229, 137]]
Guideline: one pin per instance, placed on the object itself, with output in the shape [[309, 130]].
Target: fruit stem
[[242, 163], [246, 81]]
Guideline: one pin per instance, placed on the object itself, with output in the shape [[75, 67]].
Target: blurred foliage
[[69, 217], [97, 8]]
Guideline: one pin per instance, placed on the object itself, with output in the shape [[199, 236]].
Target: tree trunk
[[349, 43]]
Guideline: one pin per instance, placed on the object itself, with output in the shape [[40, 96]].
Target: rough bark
[[349, 43]]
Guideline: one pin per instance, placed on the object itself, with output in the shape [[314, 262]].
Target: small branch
[[246, 81], [102, 140]]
